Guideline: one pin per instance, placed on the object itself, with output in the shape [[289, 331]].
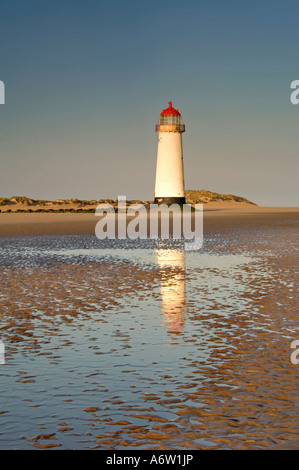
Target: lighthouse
[[169, 186]]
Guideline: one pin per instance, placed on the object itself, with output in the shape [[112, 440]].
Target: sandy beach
[[217, 217], [118, 345]]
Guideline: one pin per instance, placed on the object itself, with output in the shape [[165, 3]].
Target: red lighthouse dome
[[170, 110]]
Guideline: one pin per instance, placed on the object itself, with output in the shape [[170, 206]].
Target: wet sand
[[114, 347]]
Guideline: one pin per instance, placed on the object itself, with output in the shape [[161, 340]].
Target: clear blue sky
[[86, 80]]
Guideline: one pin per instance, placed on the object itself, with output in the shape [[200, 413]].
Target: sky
[[86, 80]]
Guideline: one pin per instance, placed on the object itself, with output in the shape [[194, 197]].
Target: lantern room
[[170, 120]]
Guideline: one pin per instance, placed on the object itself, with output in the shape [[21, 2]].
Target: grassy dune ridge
[[204, 197], [26, 204]]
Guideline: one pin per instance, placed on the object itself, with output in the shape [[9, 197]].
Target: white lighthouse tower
[[169, 187]]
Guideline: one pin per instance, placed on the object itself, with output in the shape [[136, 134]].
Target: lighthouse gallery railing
[[170, 127]]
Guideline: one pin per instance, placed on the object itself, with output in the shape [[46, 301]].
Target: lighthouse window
[[166, 119], [170, 119]]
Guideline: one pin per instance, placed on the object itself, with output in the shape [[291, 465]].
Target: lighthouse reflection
[[172, 288]]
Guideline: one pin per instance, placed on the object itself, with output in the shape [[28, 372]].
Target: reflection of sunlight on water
[[172, 288]]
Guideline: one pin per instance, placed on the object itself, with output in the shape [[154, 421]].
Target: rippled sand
[[119, 346]]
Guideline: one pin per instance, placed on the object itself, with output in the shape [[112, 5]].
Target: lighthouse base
[[170, 200]]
